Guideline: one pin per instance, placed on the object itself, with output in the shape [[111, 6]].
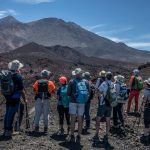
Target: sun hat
[[77, 71], [109, 75], [147, 81], [102, 73], [86, 75], [45, 73], [15, 65], [119, 78]]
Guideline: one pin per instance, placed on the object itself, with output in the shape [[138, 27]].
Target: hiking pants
[[42, 107], [118, 114], [133, 94], [21, 114], [63, 111], [11, 110]]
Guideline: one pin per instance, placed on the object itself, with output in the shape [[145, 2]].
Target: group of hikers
[[74, 100]]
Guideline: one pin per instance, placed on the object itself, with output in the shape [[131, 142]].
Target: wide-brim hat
[[45, 73], [119, 78], [147, 81], [77, 71], [15, 65]]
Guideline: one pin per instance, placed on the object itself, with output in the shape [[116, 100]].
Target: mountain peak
[[9, 20]]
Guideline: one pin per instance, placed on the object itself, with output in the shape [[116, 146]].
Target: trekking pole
[[27, 117], [140, 112]]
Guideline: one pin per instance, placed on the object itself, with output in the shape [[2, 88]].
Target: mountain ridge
[[54, 31]]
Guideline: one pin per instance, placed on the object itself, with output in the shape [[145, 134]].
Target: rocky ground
[[26, 139]]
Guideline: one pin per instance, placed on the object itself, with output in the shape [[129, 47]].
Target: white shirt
[[103, 90]]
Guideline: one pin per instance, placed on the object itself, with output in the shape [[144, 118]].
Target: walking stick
[[27, 117]]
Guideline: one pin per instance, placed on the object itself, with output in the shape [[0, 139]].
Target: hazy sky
[[125, 21]]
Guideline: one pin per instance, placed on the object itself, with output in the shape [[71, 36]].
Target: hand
[[26, 101]]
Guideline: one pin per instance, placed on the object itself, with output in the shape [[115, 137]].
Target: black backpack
[[43, 89], [42, 86], [6, 82]]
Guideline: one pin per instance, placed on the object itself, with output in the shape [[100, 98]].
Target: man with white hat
[[78, 90], [12, 88], [146, 109], [136, 85]]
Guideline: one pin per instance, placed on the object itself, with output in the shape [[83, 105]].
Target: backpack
[[42, 88], [147, 104], [137, 83], [64, 98], [7, 83], [111, 96], [82, 93], [123, 93], [100, 81]]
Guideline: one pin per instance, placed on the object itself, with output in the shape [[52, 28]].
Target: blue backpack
[[82, 92], [64, 98], [123, 94]]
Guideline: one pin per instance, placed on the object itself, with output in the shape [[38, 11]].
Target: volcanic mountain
[[53, 31]]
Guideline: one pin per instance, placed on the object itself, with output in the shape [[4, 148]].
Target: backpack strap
[[147, 102]]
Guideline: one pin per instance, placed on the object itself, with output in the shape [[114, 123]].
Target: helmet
[[63, 80]]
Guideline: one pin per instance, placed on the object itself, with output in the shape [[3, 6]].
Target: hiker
[[43, 89], [87, 117], [78, 90], [13, 90], [136, 85], [101, 79], [122, 96], [104, 108], [63, 105], [146, 110]]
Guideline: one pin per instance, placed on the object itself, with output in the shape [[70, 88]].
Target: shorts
[[147, 117], [104, 111], [76, 109]]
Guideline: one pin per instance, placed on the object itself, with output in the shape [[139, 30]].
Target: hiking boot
[[72, 139], [78, 139], [68, 130], [105, 139], [45, 130], [8, 133], [145, 139], [36, 129], [61, 131], [87, 126], [95, 138]]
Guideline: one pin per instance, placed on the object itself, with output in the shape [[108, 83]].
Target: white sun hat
[[147, 81], [15, 65]]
